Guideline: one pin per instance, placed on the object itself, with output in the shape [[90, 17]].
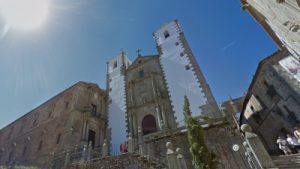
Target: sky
[[78, 37]]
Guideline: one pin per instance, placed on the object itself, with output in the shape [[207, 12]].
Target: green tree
[[202, 157]]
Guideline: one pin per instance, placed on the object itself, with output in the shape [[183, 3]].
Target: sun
[[24, 14]]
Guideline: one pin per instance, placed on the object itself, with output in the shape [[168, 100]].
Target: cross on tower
[[122, 51], [138, 51]]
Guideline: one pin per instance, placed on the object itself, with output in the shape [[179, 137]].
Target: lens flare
[[24, 14]]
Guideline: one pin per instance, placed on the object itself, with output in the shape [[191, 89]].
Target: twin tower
[[146, 96]]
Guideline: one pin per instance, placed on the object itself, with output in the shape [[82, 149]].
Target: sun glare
[[24, 14]]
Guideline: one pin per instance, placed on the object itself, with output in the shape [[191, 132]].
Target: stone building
[[142, 105], [174, 54], [72, 118], [232, 110], [148, 104], [280, 19], [272, 104]]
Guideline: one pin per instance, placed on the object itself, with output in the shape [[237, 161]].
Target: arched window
[[24, 150], [149, 124], [58, 138], [40, 145], [166, 34]]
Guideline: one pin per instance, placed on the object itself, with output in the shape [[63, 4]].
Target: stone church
[[141, 105]]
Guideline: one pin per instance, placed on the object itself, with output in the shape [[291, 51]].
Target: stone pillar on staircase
[[84, 153], [180, 159], [130, 143], [255, 145], [140, 141], [172, 156], [90, 151], [67, 158], [104, 148]]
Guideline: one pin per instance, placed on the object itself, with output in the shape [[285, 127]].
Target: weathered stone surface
[[55, 126], [275, 110], [281, 19], [122, 161]]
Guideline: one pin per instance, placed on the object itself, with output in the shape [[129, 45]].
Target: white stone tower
[[117, 103], [182, 73]]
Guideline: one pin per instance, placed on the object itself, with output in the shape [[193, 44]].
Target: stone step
[[287, 161], [292, 156], [288, 167]]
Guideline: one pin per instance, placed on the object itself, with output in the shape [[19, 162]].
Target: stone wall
[[272, 105], [281, 19], [58, 124], [147, 95], [120, 162], [219, 138]]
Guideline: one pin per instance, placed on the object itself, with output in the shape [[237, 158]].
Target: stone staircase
[[122, 161], [287, 161]]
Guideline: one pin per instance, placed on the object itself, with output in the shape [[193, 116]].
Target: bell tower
[[182, 74], [117, 104]]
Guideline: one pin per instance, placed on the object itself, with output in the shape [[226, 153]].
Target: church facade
[[142, 105]]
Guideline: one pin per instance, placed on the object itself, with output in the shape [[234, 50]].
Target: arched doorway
[[149, 124]]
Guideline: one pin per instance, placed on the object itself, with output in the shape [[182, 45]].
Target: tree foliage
[[202, 157]]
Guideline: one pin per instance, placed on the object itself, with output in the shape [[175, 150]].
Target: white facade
[[179, 70], [117, 102], [283, 17]]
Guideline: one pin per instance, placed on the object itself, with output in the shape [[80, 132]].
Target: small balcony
[[92, 112]]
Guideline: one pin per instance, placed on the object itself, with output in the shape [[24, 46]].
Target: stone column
[[153, 86], [134, 133], [180, 159], [130, 143], [255, 145], [130, 122], [84, 153], [67, 158], [171, 156], [104, 149], [165, 120], [100, 136], [158, 117], [140, 141], [90, 151], [84, 130]]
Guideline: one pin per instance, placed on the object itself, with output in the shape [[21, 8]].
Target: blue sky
[[79, 37]]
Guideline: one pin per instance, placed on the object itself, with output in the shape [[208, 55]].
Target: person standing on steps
[[283, 145], [293, 142]]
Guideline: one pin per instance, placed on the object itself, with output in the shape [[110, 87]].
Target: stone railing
[[257, 155], [90, 158], [76, 155]]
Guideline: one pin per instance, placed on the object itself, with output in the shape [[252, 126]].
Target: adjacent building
[[272, 104], [72, 118], [280, 19]]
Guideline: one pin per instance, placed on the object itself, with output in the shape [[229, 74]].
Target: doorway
[[91, 137]]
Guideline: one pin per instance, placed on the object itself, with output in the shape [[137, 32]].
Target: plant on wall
[[202, 157]]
